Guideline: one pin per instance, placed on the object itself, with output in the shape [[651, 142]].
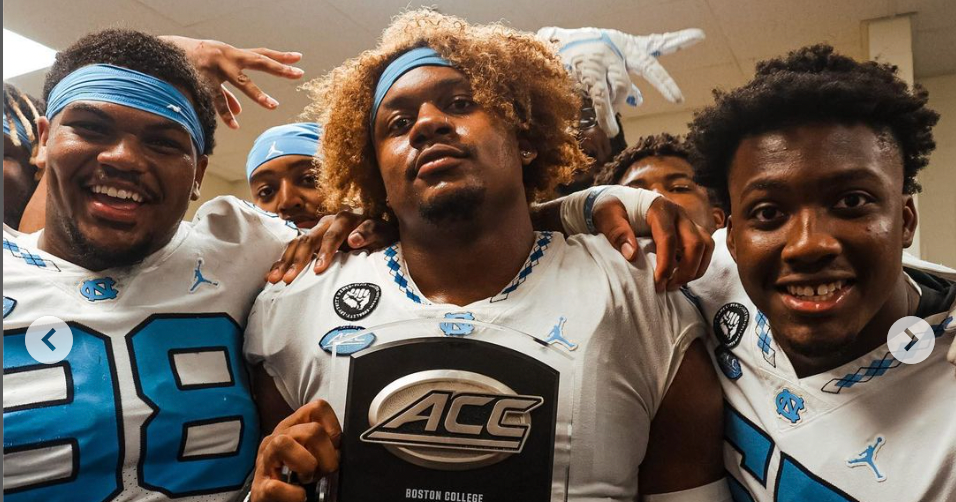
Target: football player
[[282, 175], [138, 391], [831, 341], [661, 163], [817, 158], [451, 129]]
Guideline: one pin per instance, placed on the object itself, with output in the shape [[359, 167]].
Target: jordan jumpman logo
[[557, 335], [273, 151], [197, 274], [868, 457]]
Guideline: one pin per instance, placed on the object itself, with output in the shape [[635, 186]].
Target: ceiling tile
[[755, 28], [58, 24], [190, 12]]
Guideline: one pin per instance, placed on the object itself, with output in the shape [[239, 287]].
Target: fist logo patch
[[730, 322], [356, 300]]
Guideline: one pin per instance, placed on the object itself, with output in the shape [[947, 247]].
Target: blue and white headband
[[289, 139], [21, 130], [122, 86], [415, 58]]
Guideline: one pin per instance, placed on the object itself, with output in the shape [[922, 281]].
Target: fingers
[[287, 262], [235, 75], [273, 490], [234, 106], [221, 102], [287, 449], [610, 219], [342, 224], [603, 108], [651, 70], [306, 442], [373, 234], [280, 56], [684, 248], [667, 43], [694, 244], [317, 411], [272, 62], [661, 219]]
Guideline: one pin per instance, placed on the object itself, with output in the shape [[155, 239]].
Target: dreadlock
[[27, 110]]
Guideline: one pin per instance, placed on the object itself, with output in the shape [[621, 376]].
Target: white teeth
[[819, 292], [117, 193]]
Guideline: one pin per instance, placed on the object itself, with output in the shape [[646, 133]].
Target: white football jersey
[[874, 429], [152, 402], [628, 341]]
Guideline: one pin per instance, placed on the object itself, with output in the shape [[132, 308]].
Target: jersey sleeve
[[255, 233], [659, 327], [267, 343]]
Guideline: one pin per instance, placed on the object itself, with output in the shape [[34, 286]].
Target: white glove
[[602, 59]]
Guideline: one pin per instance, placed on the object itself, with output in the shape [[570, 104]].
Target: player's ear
[[201, 163], [731, 244], [527, 151], [910, 220], [43, 131], [720, 217]]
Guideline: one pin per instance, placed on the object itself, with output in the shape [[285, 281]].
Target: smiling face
[[673, 177], [287, 186], [441, 155], [120, 182], [817, 227]]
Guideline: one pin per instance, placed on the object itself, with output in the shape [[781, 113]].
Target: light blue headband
[[122, 86], [415, 58], [21, 130], [290, 139]]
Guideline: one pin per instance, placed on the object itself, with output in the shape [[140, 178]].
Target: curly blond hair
[[517, 77]]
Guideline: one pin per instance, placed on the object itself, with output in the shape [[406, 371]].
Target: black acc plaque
[[451, 419]]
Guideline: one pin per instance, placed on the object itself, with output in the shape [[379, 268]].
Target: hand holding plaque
[[305, 443]]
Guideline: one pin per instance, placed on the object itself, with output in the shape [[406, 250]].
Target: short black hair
[[812, 84], [618, 143], [142, 52], [658, 145]]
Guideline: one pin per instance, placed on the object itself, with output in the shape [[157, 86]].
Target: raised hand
[[219, 62], [603, 60]]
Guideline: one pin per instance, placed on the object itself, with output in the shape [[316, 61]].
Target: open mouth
[[815, 297], [118, 204]]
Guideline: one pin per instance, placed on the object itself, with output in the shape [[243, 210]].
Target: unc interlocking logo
[[867, 457], [789, 405], [556, 336], [356, 300], [200, 279], [457, 328], [100, 289]]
